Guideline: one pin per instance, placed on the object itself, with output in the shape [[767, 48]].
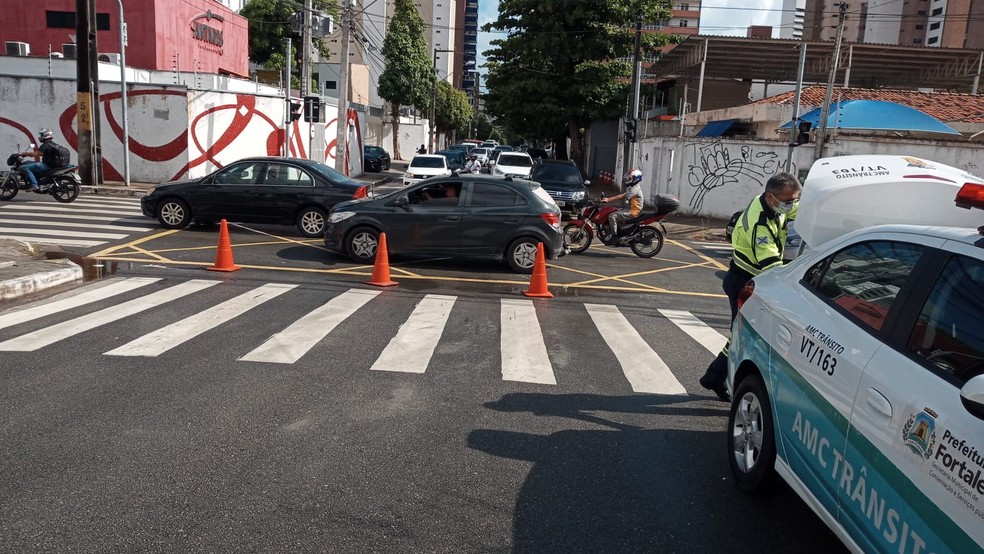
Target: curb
[[113, 191], [40, 275]]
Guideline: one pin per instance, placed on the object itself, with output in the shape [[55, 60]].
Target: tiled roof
[[948, 107]]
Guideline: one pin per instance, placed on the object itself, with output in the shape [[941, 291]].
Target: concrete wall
[[717, 177], [174, 131]]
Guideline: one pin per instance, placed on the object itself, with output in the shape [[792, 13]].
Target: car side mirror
[[972, 396], [402, 201]]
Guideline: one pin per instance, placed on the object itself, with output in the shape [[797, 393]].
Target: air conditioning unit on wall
[[69, 50], [111, 58], [18, 48]]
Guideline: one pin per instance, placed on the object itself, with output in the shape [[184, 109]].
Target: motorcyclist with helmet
[[48, 155], [632, 181], [473, 165]]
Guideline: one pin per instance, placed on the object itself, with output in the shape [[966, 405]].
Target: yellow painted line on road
[[131, 244], [716, 263], [599, 277]]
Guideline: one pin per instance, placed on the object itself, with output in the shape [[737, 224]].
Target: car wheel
[[521, 255], [311, 222], [751, 441], [577, 237], [648, 243], [173, 213], [361, 244]]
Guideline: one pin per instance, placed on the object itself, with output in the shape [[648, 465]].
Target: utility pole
[[306, 50], [634, 96], [287, 120], [825, 109], [343, 93], [83, 100]]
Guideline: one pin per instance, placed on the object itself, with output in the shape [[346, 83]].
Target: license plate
[[560, 203]]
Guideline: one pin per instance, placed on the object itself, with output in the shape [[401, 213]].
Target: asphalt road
[[181, 415]]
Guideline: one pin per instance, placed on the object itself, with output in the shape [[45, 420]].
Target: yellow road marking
[[716, 263]]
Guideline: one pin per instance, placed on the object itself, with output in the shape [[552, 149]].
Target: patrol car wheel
[[751, 442]]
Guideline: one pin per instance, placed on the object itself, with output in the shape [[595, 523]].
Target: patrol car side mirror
[[972, 396]]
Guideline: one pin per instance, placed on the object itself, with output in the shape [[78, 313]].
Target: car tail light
[[552, 219], [971, 195], [746, 292], [360, 192]]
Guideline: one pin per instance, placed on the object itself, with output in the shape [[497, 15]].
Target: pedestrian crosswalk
[[136, 312], [88, 221]]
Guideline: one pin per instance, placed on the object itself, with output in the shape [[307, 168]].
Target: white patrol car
[[857, 370]]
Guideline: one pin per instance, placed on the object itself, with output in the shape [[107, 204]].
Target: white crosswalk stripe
[[411, 349], [83, 223], [527, 352]]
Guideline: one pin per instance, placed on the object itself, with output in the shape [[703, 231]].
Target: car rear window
[[429, 162], [515, 161], [490, 194], [557, 172], [332, 175]]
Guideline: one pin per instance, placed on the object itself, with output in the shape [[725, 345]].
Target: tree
[[409, 73], [452, 110], [562, 65], [269, 25]]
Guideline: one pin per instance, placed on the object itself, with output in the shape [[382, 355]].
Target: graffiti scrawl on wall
[[716, 165]]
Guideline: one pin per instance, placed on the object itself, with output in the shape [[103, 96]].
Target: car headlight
[[498, 171], [337, 217], [579, 195]]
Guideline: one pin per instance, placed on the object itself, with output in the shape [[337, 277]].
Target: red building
[[187, 35]]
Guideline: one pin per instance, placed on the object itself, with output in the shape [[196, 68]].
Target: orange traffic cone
[[538, 281], [223, 255], [381, 267]]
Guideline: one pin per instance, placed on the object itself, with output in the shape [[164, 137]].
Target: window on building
[[683, 23], [932, 40], [331, 85], [937, 11], [921, 12], [66, 20], [917, 40], [685, 7], [932, 26], [919, 27]]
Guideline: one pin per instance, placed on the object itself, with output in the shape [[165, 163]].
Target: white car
[[481, 154], [857, 370], [513, 164], [425, 166]]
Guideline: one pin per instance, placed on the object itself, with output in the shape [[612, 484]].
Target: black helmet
[[45, 134]]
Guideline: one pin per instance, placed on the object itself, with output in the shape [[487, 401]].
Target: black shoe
[[718, 388]]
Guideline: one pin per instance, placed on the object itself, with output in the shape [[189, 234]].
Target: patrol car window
[[949, 332], [864, 279]]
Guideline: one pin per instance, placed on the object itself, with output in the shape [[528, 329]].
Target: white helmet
[[632, 177], [45, 134]]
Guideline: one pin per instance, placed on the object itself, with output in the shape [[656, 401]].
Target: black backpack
[[61, 157]]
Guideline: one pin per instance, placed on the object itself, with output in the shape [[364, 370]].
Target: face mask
[[785, 207]]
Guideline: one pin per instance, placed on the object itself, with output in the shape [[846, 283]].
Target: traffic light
[[295, 110], [630, 130], [312, 109], [803, 135]]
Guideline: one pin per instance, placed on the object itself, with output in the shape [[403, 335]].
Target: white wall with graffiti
[[716, 177], [173, 131]]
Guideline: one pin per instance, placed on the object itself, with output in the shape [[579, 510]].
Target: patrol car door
[[824, 337], [912, 478]]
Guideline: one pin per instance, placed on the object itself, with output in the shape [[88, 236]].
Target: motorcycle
[[63, 183], [636, 233]]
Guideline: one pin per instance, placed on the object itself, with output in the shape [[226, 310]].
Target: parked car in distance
[[424, 166], [490, 144], [375, 158], [513, 164], [275, 190], [466, 215], [464, 146], [537, 153], [563, 182], [456, 158], [481, 154]]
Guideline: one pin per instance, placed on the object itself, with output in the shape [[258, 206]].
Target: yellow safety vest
[[758, 237]]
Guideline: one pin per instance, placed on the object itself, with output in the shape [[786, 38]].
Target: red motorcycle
[[636, 233]]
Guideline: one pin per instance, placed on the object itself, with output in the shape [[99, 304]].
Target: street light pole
[[126, 124], [433, 115]]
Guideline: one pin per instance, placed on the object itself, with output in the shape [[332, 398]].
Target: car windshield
[[480, 151], [428, 162], [562, 173], [515, 161], [332, 175]]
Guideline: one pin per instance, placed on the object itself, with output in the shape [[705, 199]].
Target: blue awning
[[716, 128], [877, 115]]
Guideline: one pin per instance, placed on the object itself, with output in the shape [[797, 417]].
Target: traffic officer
[[757, 242]]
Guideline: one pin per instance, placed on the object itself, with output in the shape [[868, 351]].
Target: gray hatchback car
[[458, 216]]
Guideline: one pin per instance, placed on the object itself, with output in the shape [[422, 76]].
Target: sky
[[717, 17]]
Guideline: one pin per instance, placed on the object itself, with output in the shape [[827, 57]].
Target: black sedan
[[459, 216], [456, 158], [375, 158], [563, 182], [280, 191]]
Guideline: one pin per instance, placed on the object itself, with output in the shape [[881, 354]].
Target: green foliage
[[409, 73], [452, 110], [269, 25], [559, 68]]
